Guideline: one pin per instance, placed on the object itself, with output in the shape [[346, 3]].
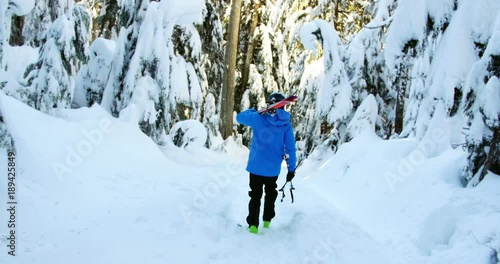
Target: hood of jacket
[[280, 118]]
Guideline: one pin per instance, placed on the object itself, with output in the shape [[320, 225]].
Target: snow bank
[[60, 147], [409, 194], [84, 176]]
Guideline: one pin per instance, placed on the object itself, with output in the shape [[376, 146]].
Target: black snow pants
[[256, 185]]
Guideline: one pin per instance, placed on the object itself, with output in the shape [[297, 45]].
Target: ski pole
[[282, 190]]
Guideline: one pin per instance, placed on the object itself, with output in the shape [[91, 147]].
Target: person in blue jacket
[[272, 139]]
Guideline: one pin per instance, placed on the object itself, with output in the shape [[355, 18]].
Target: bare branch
[[484, 244]]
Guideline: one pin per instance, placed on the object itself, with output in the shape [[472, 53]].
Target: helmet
[[275, 97]]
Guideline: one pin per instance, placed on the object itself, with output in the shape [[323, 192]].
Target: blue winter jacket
[[272, 137]]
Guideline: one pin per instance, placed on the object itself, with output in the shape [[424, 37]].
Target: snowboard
[[289, 99]]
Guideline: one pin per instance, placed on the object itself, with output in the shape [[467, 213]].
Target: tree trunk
[[491, 163], [337, 18], [250, 48], [16, 36], [400, 107], [227, 98], [402, 80]]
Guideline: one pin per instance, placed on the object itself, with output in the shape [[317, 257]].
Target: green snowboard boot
[[267, 224], [253, 229]]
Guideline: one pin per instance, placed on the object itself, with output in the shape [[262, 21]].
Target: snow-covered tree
[[482, 107], [334, 96], [404, 40], [308, 125], [212, 52], [151, 75], [249, 45], [365, 65], [155, 47], [287, 17], [443, 63], [364, 119], [39, 20], [211, 121], [7, 10], [7, 82], [421, 104], [62, 51], [92, 78], [131, 15], [269, 39], [265, 58], [483, 139], [187, 44], [212, 67], [351, 16]]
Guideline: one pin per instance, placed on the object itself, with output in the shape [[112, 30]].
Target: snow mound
[[189, 133]]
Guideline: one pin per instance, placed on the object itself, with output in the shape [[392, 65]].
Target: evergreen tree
[[333, 100], [39, 20], [211, 121], [8, 9], [212, 52], [61, 53], [183, 37], [129, 22], [364, 119], [308, 127], [404, 40], [92, 78], [421, 104], [365, 65], [247, 45], [156, 78], [482, 107], [212, 68], [483, 139]]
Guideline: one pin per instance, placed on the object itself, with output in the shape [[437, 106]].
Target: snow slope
[[94, 189]]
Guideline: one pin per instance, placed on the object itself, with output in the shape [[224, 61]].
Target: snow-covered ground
[[91, 188]]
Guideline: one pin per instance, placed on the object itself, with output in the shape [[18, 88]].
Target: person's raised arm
[[247, 117]]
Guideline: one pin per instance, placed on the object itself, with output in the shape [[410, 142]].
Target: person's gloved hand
[[290, 175]]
